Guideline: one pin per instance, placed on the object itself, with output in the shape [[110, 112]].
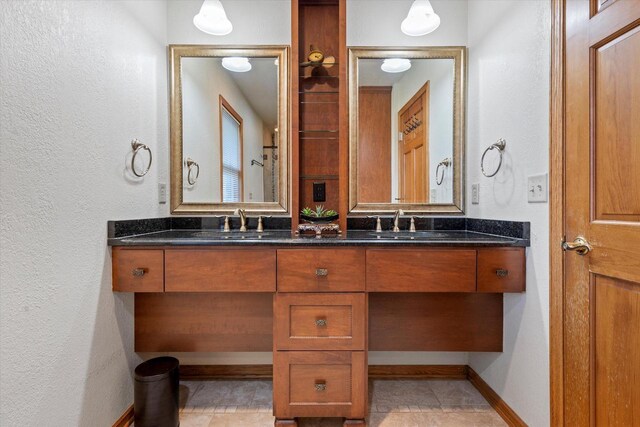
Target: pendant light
[[237, 64], [421, 19], [212, 19], [395, 65]]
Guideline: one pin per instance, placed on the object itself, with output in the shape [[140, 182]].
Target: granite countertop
[[286, 238]]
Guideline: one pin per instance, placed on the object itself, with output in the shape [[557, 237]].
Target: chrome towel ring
[[500, 146], [191, 164], [444, 165], [137, 146]]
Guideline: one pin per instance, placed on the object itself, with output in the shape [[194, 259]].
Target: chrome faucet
[[243, 219], [396, 219]]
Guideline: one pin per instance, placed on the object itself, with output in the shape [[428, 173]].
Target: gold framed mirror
[[229, 129], [407, 129]]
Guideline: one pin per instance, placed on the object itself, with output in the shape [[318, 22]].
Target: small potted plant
[[320, 214]]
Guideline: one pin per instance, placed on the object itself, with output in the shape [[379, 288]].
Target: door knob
[[580, 245]]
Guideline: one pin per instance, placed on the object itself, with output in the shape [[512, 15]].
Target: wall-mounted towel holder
[[500, 146], [137, 146], [191, 166], [444, 165]]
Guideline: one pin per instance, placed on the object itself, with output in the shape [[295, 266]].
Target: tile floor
[[393, 403]]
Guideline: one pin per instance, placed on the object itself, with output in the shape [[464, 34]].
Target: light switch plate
[[537, 188], [162, 193], [475, 194]]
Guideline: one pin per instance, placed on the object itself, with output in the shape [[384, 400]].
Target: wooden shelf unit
[[320, 122]]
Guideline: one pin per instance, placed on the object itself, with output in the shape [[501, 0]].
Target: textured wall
[[80, 79], [509, 51]]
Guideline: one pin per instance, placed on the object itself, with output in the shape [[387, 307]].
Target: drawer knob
[[139, 272], [502, 272], [321, 386], [321, 322], [322, 272]]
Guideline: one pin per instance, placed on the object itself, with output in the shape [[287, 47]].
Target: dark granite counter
[[200, 237]]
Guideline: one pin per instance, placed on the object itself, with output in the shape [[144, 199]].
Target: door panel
[[616, 309], [601, 319], [617, 124]]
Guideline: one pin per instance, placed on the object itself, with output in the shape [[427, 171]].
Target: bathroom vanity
[[327, 126], [320, 304]]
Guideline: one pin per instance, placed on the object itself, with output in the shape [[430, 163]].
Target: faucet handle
[[378, 223], [226, 224], [412, 227]]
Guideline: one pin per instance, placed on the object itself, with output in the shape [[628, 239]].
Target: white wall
[[204, 79], [79, 81], [509, 51]]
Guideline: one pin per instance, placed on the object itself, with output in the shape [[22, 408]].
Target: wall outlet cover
[[475, 193], [537, 188], [319, 192], [162, 193]]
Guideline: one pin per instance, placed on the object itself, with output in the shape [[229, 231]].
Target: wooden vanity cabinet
[[501, 270], [319, 335]]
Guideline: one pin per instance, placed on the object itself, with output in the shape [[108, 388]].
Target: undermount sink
[[229, 235], [410, 235]]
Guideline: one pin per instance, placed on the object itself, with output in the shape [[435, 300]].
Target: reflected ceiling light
[[236, 64], [421, 19], [212, 19], [395, 65]]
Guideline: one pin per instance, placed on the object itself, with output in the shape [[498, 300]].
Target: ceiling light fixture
[[237, 64], [212, 19], [395, 65], [421, 19]]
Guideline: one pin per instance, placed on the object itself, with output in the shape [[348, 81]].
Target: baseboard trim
[[379, 372], [126, 419], [226, 372], [496, 402]]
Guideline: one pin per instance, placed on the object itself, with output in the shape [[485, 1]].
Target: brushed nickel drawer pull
[[321, 386], [321, 322], [139, 272], [322, 272], [502, 272]]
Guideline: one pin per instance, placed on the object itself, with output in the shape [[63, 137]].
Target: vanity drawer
[[138, 270], [501, 270], [220, 270], [319, 321], [425, 270], [319, 384], [321, 270]]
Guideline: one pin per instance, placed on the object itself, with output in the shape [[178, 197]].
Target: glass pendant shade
[[421, 19], [212, 19], [236, 64]]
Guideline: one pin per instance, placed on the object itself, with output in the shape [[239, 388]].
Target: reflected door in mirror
[[414, 148]]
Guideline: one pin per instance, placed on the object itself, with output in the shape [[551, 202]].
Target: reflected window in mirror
[[227, 107], [406, 130]]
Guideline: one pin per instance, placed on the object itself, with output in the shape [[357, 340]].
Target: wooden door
[[600, 361], [413, 121], [374, 144]]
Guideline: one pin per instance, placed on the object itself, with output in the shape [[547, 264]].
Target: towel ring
[[500, 146], [444, 164], [190, 165], [137, 146]]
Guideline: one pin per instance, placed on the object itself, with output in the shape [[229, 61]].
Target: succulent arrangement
[[320, 213]]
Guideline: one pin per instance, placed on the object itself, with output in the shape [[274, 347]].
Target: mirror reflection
[[230, 129], [405, 125]]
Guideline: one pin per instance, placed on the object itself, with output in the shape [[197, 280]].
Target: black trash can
[[156, 397]]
